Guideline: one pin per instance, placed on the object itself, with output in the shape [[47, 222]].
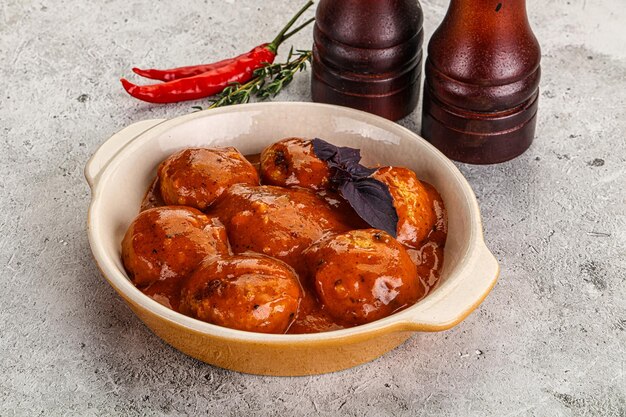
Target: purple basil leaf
[[340, 155], [324, 150], [358, 171], [341, 158], [348, 156], [339, 175], [372, 201], [369, 197]]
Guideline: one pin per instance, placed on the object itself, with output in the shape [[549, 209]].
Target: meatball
[[196, 177], [275, 221], [292, 163], [247, 292], [343, 209], [362, 275], [165, 291], [417, 216], [312, 318], [168, 242], [441, 223]]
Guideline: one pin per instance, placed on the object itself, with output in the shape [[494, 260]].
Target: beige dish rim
[[400, 321]]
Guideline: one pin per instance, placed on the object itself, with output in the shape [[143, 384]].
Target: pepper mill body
[[367, 54], [481, 85]]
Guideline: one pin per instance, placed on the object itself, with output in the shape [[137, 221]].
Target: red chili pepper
[[205, 84], [215, 77], [190, 71], [180, 72]]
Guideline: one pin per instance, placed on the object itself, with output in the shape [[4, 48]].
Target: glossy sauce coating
[[275, 221], [312, 317], [292, 163], [413, 203], [362, 275], [247, 292], [342, 209], [262, 217], [153, 197], [196, 177], [166, 243]]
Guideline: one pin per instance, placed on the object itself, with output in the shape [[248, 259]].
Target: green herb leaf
[[267, 81]]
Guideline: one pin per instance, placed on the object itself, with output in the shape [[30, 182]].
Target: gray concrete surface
[[549, 341]]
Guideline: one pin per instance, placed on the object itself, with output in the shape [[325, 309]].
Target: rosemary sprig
[[285, 74], [266, 83]]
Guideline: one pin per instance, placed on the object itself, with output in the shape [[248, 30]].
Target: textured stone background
[[549, 341]]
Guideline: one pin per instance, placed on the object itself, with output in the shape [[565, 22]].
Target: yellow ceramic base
[[277, 359]]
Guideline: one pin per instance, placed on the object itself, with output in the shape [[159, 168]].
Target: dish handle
[[113, 146], [448, 311]]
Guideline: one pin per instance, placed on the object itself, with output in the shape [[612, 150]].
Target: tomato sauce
[[312, 316]]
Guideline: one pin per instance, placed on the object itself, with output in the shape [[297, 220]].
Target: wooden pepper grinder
[[367, 54], [482, 82]]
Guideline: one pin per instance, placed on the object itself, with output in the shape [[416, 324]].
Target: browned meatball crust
[[362, 275], [168, 242], [413, 202], [249, 292], [196, 177], [275, 221], [292, 163]]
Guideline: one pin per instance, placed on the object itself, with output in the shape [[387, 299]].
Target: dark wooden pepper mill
[[482, 82], [367, 54]]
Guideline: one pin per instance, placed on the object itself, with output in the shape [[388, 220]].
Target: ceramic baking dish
[[123, 167]]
